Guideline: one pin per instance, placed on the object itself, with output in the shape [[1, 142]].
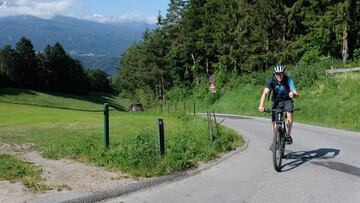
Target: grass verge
[[58, 133], [16, 170]]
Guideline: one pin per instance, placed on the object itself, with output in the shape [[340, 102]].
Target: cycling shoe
[[272, 147], [288, 140]]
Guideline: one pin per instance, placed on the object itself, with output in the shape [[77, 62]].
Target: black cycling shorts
[[287, 105]]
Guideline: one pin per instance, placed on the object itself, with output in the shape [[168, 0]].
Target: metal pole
[[216, 124], [194, 109], [106, 126], [175, 107], [161, 136], [211, 129], [184, 107], [209, 125]]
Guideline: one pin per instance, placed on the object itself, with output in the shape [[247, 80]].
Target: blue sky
[[97, 10], [144, 8]]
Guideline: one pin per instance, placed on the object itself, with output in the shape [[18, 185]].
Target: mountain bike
[[279, 140]]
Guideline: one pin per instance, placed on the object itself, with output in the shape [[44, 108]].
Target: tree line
[[50, 70], [198, 38]]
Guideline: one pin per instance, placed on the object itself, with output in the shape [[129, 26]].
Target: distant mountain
[[96, 45]]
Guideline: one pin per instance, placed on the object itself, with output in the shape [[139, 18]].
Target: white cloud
[[72, 8], [39, 8]]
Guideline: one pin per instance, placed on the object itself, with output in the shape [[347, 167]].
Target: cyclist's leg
[[274, 106], [273, 123], [289, 107], [273, 127], [289, 122]]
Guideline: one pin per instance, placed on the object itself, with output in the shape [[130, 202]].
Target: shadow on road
[[301, 157]]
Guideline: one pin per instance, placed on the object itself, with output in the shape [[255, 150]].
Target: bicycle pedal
[[289, 140]]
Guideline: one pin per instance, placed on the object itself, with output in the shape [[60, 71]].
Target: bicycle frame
[[279, 138], [278, 146], [280, 119]]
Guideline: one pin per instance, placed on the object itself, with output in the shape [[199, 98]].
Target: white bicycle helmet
[[278, 68]]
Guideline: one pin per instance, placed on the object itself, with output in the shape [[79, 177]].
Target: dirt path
[[71, 175]]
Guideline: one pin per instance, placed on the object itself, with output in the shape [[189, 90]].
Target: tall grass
[[331, 101]]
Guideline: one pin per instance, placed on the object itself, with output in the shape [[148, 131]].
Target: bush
[[356, 54], [184, 148], [223, 141], [306, 75], [177, 93], [311, 56]]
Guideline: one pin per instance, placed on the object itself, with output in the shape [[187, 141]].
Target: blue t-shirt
[[281, 90]]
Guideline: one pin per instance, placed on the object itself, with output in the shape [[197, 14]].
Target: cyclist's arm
[[293, 92], [263, 98]]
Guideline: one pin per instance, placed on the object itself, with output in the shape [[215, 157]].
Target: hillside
[[89, 102], [330, 101], [99, 42]]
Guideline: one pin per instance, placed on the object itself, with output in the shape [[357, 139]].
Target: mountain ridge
[[97, 41]]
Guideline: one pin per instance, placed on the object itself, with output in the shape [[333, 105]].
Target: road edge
[[135, 187]]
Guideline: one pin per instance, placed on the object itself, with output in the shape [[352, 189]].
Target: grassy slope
[[333, 102], [59, 133], [93, 101]]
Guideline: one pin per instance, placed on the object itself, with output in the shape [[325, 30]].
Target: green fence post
[[194, 109], [161, 136], [106, 126]]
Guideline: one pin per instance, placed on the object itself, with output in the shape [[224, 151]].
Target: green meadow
[[329, 101], [77, 134]]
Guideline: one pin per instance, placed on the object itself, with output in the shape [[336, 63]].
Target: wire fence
[[175, 108]]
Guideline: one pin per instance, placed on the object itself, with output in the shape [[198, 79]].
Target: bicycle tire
[[278, 150]]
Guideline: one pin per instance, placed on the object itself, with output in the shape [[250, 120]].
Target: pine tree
[[98, 81], [7, 66], [26, 73], [46, 67]]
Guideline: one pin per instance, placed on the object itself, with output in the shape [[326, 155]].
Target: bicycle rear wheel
[[278, 150]]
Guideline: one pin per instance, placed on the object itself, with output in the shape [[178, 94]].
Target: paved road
[[323, 165]]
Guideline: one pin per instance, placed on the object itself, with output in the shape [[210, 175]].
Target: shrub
[[313, 55]]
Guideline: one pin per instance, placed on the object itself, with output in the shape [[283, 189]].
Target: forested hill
[[96, 45], [199, 38]]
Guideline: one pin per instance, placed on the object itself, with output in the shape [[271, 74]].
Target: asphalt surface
[[322, 165]]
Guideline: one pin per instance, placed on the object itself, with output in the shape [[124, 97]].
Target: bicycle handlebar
[[279, 110]]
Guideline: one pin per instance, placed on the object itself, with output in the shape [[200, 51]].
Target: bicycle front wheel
[[277, 150]]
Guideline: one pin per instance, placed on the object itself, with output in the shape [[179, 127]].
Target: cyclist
[[284, 91]]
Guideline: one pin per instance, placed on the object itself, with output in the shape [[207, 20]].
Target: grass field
[[330, 102], [89, 102], [77, 134]]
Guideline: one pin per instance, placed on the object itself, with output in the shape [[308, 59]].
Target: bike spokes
[[278, 150]]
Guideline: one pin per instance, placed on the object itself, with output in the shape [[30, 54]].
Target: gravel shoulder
[[73, 177]]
